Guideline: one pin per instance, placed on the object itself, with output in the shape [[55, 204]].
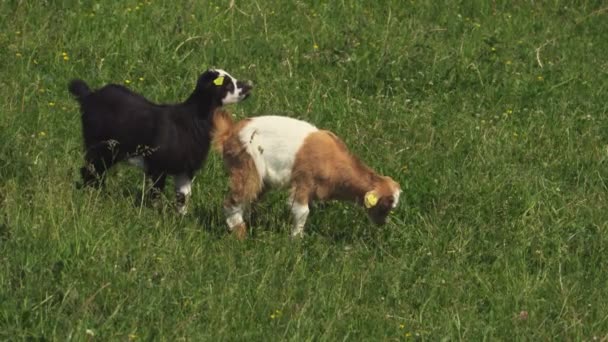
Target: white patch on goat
[[396, 195], [272, 142], [234, 216], [138, 162], [300, 213], [183, 185], [236, 95]]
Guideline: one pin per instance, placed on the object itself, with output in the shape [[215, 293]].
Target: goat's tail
[[79, 89], [222, 129]]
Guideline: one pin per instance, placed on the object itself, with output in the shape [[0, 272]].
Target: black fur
[[173, 139]]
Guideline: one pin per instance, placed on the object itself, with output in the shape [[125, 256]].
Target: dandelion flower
[[64, 53], [52, 104], [66, 58], [127, 81], [315, 46], [141, 79]]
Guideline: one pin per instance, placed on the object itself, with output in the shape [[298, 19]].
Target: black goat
[[163, 139]]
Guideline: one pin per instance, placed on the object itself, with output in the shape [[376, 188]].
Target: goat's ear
[[208, 77], [371, 199]]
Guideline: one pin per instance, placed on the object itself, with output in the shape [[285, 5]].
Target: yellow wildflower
[[141, 79], [315, 46], [508, 62], [128, 81], [18, 55], [275, 314], [540, 78], [52, 104]]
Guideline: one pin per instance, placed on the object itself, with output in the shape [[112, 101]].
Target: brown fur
[[245, 183], [324, 169]]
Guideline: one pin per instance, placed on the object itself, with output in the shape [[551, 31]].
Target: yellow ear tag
[[218, 81], [370, 200]]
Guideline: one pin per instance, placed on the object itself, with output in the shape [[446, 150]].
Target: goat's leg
[[234, 217], [245, 186], [183, 188], [299, 209], [157, 178], [97, 161]]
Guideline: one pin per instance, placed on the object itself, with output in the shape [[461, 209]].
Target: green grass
[[503, 163]]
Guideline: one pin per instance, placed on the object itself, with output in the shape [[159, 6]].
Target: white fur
[[183, 184], [396, 195], [234, 216], [300, 214], [236, 95], [272, 142]]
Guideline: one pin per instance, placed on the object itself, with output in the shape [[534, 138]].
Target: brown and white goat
[[278, 151]]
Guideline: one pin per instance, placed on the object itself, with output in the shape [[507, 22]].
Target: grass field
[[492, 115]]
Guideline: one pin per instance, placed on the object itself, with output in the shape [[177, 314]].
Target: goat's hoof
[[240, 231], [182, 210], [297, 235]]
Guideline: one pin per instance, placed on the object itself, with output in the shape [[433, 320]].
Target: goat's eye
[[230, 86]]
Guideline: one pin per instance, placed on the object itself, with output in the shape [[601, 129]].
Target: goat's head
[[224, 88], [381, 200]]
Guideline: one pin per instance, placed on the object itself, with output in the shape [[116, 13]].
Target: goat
[[277, 151], [163, 139]]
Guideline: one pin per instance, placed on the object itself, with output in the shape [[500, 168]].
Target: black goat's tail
[[79, 89]]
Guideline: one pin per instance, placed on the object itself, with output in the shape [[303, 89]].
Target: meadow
[[492, 115]]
